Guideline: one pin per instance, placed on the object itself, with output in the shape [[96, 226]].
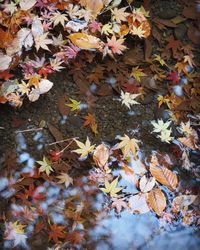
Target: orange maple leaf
[[90, 121], [56, 232]]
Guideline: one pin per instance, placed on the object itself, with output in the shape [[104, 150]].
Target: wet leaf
[[84, 149], [128, 145], [111, 188], [156, 201], [74, 105], [101, 155], [138, 204], [146, 185], [56, 232], [55, 132], [45, 166], [182, 201], [65, 178], [164, 176]]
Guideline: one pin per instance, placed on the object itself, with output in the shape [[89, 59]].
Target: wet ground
[[25, 135]]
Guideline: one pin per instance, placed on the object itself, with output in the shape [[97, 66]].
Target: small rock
[[148, 99], [180, 31]]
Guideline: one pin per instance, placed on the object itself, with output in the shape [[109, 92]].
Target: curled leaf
[[101, 155]]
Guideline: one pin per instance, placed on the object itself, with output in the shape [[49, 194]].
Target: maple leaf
[[41, 41], [118, 204], [160, 60], [91, 121], [181, 67], [74, 105], [186, 128], [15, 231], [138, 31], [116, 45], [165, 136], [5, 75], [45, 166], [107, 29], [163, 99], [128, 145], [111, 188], [119, 14], [174, 77], [65, 178], [58, 18], [84, 149], [160, 126], [128, 99], [23, 88], [56, 232], [137, 73], [189, 59], [95, 26]]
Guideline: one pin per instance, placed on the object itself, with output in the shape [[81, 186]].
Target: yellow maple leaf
[[74, 105], [128, 145], [137, 73], [84, 149], [111, 188]]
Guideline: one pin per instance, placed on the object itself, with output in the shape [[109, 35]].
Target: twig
[[28, 130], [56, 142], [2, 128]]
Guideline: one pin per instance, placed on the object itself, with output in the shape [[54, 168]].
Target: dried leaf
[[182, 201], [164, 176], [147, 185], [138, 204], [101, 155], [156, 201], [84, 41], [55, 132]]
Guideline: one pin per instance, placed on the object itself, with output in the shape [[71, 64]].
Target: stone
[[180, 31]]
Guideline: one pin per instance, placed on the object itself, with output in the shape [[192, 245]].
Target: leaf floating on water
[[138, 204], [164, 176], [111, 188], [146, 185], [182, 201], [157, 201], [101, 155]]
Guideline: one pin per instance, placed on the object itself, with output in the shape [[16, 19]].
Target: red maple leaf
[[56, 232], [55, 155], [5, 75], [174, 77]]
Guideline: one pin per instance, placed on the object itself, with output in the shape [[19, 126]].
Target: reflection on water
[[78, 215]]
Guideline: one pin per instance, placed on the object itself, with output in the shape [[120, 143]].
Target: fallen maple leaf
[[111, 188], [74, 105], [128, 145], [65, 178], [56, 232], [137, 73], [84, 149], [116, 46], [45, 166]]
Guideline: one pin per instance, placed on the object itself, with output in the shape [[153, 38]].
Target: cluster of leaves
[[41, 37]]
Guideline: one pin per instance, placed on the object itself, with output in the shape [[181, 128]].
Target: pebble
[[180, 31]]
